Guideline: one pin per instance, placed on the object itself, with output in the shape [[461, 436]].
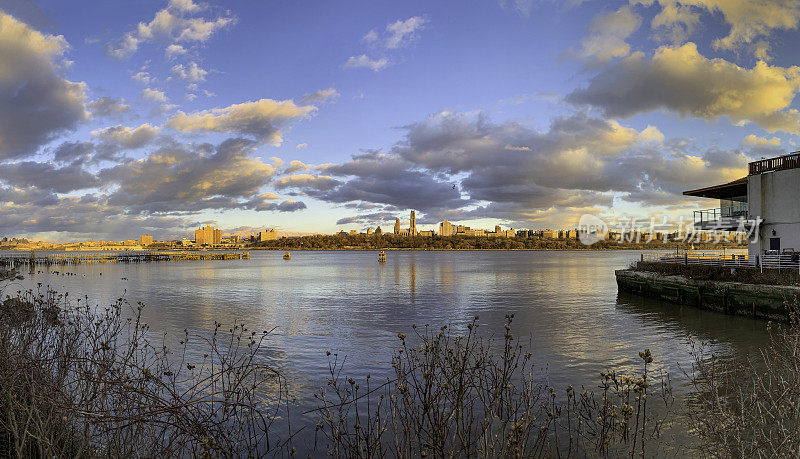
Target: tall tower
[[413, 228], [397, 226]]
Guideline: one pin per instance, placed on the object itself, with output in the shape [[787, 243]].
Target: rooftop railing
[[780, 163]]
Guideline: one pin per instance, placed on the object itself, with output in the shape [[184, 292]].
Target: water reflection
[[565, 303]]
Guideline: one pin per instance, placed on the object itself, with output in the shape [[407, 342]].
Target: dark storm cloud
[[36, 103], [187, 178], [47, 177]]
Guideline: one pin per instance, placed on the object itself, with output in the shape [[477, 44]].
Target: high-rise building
[[413, 228], [446, 228], [268, 235], [207, 235], [397, 226], [145, 240]]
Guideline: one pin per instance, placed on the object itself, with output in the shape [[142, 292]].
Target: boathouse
[[770, 192]]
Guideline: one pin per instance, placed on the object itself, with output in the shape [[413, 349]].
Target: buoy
[[382, 257], [287, 256]]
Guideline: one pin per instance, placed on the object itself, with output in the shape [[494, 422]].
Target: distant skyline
[[158, 117]]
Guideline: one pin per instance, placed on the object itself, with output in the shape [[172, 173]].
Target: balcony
[[728, 218], [780, 163]]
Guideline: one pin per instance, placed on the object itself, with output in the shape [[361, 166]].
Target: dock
[[21, 259]]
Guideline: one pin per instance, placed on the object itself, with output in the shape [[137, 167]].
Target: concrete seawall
[[752, 300]]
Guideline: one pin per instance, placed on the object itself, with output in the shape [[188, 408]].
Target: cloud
[[296, 166], [45, 176], [372, 218], [174, 50], [683, 81], [69, 152], [608, 32], [513, 172], [307, 181], [188, 178], [376, 65], [106, 107], [172, 24], [262, 119], [401, 33], [753, 140], [36, 102], [127, 137], [154, 95], [300, 146], [748, 20], [376, 178], [320, 97], [143, 77], [191, 72]]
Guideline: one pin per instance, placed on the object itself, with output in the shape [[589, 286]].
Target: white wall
[[775, 197]]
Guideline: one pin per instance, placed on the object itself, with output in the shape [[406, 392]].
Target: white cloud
[[300, 146], [608, 34], [190, 72], [172, 24], [143, 78], [753, 140], [748, 19], [128, 137], [154, 94], [263, 119], [376, 65], [321, 96], [174, 50], [683, 81], [401, 33]]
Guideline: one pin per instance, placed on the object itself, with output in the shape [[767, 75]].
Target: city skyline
[[163, 116]]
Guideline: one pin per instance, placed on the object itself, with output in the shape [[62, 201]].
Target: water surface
[[565, 302]]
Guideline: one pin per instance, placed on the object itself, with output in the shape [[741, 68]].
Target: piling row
[[118, 257]]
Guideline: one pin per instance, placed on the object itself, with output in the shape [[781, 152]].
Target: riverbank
[[758, 301]]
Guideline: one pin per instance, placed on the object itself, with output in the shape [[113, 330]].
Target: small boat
[[382, 257], [287, 256]]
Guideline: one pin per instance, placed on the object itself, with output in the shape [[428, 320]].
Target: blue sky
[[155, 117]]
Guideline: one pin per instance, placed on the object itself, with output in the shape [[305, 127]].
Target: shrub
[[456, 395]]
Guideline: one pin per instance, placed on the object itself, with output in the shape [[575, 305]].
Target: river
[[565, 302]]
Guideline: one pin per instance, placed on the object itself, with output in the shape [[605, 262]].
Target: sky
[[124, 118]]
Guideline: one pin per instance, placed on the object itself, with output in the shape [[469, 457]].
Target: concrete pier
[[32, 259], [752, 300]]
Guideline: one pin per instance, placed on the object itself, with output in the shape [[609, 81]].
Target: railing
[[780, 163], [783, 261], [732, 260], [724, 215]]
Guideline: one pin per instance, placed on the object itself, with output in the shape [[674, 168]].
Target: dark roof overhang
[[730, 190]]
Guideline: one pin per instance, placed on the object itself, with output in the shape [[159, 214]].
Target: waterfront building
[[268, 235], [378, 231], [369, 231], [446, 228], [413, 226], [145, 240], [427, 233], [207, 235], [762, 205], [403, 232], [397, 226]]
